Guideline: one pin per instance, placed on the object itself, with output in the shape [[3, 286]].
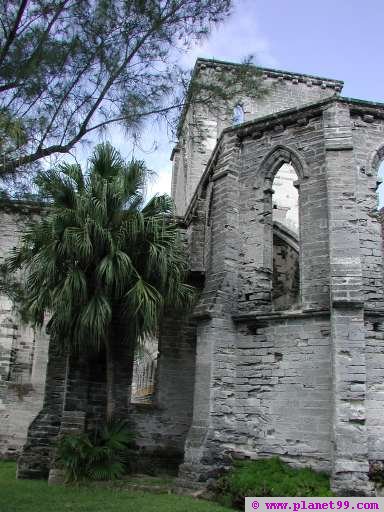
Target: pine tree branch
[[12, 34]]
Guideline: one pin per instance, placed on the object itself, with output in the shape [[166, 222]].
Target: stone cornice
[[369, 109], [255, 316], [278, 74], [202, 63], [253, 129]]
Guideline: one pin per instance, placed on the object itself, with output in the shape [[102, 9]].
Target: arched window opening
[[380, 186], [238, 115], [286, 245], [144, 371]]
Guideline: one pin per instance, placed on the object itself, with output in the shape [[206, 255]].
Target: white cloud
[[238, 37]]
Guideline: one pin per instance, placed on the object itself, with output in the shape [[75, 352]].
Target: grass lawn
[[37, 496]]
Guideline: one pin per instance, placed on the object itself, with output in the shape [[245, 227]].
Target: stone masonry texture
[[23, 356], [283, 353]]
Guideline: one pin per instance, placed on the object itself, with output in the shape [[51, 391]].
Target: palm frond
[[74, 172], [106, 162], [159, 205], [56, 187], [101, 458], [94, 320], [143, 303], [97, 248]]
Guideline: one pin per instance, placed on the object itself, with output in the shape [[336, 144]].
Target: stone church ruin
[[283, 354]]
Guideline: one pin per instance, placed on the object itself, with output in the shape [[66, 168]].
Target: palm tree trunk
[[119, 354], [110, 374]]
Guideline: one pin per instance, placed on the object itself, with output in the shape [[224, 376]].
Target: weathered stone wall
[[77, 384], [375, 387], [257, 378], [22, 400], [283, 389], [23, 357], [368, 140], [306, 384], [201, 126], [260, 160]]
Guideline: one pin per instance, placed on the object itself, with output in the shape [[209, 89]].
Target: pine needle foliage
[[73, 67], [99, 252]]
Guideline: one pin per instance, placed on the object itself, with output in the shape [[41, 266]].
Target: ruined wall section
[[23, 357], [264, 150], [197, 139], [375, 387], [283, 390], [279, 404], [201, 126], [268, 376], [216, 333], [273, 376], [368, 140], [221, 244]]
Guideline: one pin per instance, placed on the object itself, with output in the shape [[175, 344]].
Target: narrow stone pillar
[[214, 398], [216, 332], [350, 457], [193, 468], [36, 456]]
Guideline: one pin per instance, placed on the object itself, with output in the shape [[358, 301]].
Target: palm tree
[[100, 263]]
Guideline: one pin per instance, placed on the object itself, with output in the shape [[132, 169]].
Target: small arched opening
[[286, 239]]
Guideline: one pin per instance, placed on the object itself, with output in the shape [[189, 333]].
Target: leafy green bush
[[101, 456], [269, 477]]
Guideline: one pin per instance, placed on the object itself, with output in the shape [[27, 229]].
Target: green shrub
[[101, 456], [269, 477]]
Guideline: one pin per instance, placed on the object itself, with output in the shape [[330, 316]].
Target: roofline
[[215, 62], [246, 129], [362, 103], [201, 61]]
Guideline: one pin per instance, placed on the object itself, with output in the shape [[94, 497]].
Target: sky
[[340, 39]]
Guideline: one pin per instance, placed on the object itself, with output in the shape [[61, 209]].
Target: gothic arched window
[[286, 244]]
